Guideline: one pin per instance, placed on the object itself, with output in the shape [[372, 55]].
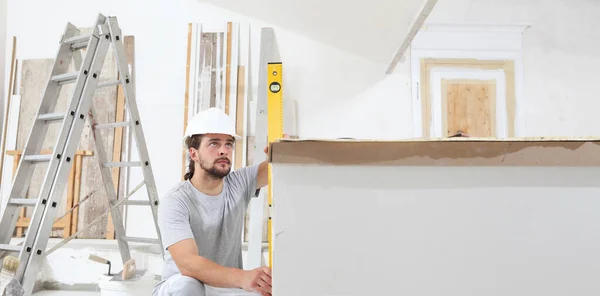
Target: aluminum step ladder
[[105, 32]]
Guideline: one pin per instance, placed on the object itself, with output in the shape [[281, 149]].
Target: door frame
[[474, 46], [424, 123]]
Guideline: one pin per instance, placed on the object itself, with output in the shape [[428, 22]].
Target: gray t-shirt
[[214, 222]]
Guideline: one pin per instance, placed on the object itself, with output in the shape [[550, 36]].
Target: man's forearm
[[212, 273]]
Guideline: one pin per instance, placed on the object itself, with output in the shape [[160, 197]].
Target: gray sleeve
[[246, 178], [173, 221]]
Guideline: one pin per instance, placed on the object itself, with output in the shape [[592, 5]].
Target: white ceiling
[[372, 29]]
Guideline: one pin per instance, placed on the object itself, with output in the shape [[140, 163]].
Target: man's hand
[[263, 178], [257, 280]]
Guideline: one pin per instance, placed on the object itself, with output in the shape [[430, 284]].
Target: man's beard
[[214, 171]]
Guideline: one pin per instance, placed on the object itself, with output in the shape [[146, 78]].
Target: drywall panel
[[435, 230]]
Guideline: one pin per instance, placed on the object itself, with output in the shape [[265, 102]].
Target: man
[[201, 219]]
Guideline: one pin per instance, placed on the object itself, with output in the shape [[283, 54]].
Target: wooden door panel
[[468, 106]]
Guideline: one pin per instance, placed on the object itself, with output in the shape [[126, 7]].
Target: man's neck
[[206, 184]]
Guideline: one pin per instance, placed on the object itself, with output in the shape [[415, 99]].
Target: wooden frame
[[483, 46], [427, 64], [68, 223]]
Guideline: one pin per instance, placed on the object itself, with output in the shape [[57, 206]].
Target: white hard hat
[[211, 121]]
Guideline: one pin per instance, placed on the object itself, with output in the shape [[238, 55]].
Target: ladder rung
[[122, 164], [109, 83], [78, 39], [38, 158], [77, 46], [65, 78], [113, 125], [141, 240], [52, 117], [133, 202], [23, 201], [10, 248]]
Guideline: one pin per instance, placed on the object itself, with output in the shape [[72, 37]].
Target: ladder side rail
[[136, 124], [50, 179], [70, 142], [34, 143]]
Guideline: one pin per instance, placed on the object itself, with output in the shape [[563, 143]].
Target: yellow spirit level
[[275, 130]]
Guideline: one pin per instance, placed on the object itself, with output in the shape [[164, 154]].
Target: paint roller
[[8, 283]]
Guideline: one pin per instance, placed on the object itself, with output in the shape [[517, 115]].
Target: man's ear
[[193, 154]]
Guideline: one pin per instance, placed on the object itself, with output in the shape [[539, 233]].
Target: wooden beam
[[239, 120], [228, 69], [12, 79], [186, 99], [420, 20]]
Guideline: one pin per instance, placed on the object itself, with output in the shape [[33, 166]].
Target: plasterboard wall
[[411, 230]]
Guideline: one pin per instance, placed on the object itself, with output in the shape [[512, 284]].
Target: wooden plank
[[239, 120], [12, 79], [470, 105], [186, 96], [509, 72], [228, 68], [69, 205], [129, 44], [76, 191], [16, 160]]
